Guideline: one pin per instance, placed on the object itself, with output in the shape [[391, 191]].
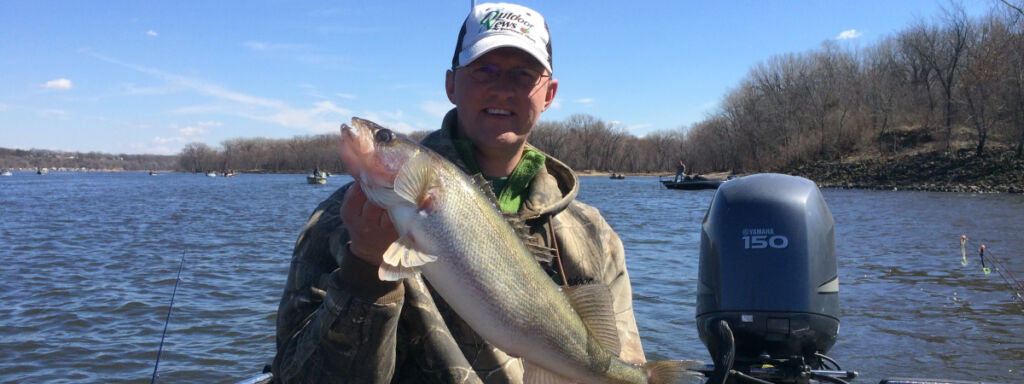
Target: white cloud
[[392, 120], [346, 96], [132, 89], [848, 34], [638, 129], [165, 140], [324, 116], [585, 100], [151, 33], [436, 108], [199, 128], [60, 83], [153, 149]]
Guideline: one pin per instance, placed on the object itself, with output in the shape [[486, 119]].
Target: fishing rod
[[1000, 268], [168, 319], [1005, 273]]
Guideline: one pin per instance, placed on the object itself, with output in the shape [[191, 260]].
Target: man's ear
[[549, 95], [449, 85]]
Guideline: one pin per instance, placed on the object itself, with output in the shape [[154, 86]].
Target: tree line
[[33, 159], [582, 141]]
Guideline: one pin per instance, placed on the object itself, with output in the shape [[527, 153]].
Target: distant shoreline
[[997, 171]]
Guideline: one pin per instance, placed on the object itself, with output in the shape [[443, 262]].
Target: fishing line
[[1006, 274], [168, 319]]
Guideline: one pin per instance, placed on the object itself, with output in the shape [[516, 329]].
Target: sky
[[149, 77]]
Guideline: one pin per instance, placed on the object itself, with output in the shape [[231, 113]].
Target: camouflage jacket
[[338, 323]]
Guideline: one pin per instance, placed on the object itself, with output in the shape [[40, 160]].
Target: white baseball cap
[[490, 26]]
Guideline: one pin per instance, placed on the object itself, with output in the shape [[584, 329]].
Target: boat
[[230, 174], [211, 174], [616, 176], [692, 183], [7, 173], [153, 173], [42, 171], [316, 179]]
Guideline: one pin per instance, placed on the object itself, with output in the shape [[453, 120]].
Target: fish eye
[[384, 135]]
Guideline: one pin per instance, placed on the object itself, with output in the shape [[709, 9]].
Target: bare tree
[[942, 49], [983, 73]]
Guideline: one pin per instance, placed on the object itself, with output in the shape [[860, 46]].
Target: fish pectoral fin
[[534, 374], [395, 265], [593, 302], [416, 183], [388, 272], [402, 253]]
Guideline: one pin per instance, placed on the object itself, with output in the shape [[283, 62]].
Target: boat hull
[[691, 185]]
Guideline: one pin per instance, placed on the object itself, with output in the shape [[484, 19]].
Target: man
[[338, 322], [680, 171]]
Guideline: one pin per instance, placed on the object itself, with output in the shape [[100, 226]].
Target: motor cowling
[[768, 268]]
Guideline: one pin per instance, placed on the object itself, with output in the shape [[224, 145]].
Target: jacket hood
[[551, 191]]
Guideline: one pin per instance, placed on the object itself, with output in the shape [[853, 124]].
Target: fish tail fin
[[674, 372]]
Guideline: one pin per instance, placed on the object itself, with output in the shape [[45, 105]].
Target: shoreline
[[997, 171]]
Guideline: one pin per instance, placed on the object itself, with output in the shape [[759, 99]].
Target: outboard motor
[[769, 289]]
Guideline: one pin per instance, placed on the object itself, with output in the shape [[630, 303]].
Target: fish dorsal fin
[[402, 260], [484, 185], [534, 243], [593, 302], [534, 374]]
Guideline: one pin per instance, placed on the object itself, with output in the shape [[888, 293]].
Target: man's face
[[499, 114]]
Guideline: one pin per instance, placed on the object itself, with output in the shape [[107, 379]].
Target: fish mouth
[[361, 155], [356, 146]]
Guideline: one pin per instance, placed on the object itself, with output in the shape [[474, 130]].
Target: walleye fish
[[453, 234]]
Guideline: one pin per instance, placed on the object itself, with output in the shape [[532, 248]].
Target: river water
[[88, 264]]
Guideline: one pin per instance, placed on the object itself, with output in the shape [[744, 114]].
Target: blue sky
[[151, 76]]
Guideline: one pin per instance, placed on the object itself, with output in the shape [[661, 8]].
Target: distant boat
[[7, 173], [230, 174], [615, 176], [314, 179], [153, 173], [692, 183], [42, 171], [211, 174]]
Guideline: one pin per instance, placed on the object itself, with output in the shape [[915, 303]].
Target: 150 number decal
[[765, 241]]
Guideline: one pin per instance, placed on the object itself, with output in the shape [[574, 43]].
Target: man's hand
[[368, 226]]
